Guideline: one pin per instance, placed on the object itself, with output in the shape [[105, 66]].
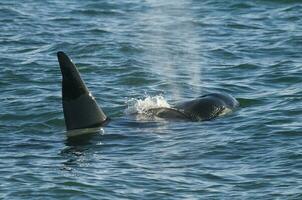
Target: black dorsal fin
[[79, 106]]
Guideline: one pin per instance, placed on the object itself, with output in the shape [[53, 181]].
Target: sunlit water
[[129, 50]]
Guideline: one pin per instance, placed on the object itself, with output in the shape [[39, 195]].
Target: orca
[[81, 110]]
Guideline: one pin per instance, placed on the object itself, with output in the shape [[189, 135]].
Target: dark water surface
[[137, 48]]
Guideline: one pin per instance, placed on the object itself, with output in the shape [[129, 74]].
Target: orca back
[[208, 106]]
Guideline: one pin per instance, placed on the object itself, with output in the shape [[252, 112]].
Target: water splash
[[141, 106]]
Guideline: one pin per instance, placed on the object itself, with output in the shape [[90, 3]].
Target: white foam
[[141, 106]]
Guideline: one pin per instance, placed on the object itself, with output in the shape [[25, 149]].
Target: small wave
[[141, 106], [236, 25], [9, 12], [245, 102], [242, 5], [223, 53], [102, 5], [283, 1], [98, 12], [246, 66]]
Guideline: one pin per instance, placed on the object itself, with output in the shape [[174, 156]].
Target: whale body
[[81, 110], [203, 108]]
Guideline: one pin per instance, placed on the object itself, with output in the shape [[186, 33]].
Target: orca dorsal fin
[[79, 106]]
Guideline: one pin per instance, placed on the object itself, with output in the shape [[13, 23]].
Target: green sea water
[[130, 50]]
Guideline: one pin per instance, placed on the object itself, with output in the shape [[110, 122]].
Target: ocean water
[[136, 50]]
